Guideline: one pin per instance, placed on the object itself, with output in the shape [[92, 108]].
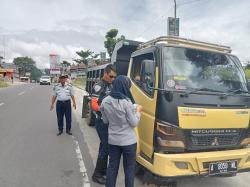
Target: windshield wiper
[[203, 89], [200, 89], [234, 92]]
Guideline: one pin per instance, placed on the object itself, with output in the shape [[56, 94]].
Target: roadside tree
[[111, 40], [84, 56], [27, 65], [1, 59]]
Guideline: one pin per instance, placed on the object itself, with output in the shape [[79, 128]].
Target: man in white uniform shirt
[[63, 93]]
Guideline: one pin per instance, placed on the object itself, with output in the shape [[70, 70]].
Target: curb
[[78, 87]]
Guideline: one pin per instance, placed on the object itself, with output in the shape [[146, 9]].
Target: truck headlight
[[248, 159], [246, 140], [169, 138]]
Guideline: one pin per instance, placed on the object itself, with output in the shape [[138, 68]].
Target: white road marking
[[83, 170], [1, 104], [21, 93]]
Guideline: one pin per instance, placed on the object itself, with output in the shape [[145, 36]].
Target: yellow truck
[[196, 107]]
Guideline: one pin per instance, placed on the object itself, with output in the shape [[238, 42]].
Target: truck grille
[[213, 138]]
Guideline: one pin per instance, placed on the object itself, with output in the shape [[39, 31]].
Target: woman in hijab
[[119, 111]]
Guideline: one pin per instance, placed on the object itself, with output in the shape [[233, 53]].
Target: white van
[[45, 80]]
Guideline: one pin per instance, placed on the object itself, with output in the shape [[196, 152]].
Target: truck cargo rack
[[121, 55], [171, 40]]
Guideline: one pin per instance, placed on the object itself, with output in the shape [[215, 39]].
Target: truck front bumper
[[194, 164]]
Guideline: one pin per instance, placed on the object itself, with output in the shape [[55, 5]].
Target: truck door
[[143, 73]]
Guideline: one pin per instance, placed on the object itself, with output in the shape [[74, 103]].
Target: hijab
[[121, 88]]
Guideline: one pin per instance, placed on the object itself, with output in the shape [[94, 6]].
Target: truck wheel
[[172, 184], [90, 118], [138, 169], [85, 107]]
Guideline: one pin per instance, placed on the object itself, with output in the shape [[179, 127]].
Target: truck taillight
[[169, 138]]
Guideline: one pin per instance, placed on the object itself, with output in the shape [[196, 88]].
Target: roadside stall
[[6, 73]]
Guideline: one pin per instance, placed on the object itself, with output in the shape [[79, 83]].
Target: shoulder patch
[[97, 88]]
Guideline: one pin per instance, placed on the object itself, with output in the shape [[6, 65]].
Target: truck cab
[[196, 107]]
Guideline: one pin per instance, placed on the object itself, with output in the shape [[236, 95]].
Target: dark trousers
[[63, 108], [129, 153], [102, 131]]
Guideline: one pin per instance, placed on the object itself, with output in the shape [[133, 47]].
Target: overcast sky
[[36, 28]]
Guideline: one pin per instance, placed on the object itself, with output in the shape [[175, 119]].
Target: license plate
[[223, 167]]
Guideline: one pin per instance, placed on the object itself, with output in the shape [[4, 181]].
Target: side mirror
[[248, 84], [148, 80], [147, 72]]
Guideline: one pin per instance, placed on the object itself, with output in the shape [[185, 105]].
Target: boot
[[104, 167], [98, 174]]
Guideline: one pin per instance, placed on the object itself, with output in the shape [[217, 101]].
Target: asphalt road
[[31, 155]]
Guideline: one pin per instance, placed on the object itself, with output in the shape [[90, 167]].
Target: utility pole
[[3, 46], [175, 17]]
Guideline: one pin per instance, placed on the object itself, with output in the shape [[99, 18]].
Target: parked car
[[45, 80]]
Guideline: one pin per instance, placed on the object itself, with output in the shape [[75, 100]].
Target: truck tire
[[85, 107], [172, 184], [90, 118], [139, 171]]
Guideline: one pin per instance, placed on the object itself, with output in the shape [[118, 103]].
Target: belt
[[99, 114], [63, 101]]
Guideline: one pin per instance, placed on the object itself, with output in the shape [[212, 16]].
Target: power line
[[162, 16], [188, 2], [154, 22]]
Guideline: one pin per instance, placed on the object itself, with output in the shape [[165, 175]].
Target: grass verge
[[3, 84], [79, 82], [247, 71]]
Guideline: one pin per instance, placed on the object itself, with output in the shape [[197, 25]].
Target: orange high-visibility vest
[[94, 104]]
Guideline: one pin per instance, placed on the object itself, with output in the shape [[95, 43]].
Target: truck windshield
[[187, 69]]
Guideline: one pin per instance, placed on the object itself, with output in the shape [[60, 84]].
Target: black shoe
[[59, 133], [99, 179], [99, 175], [69, 133]]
